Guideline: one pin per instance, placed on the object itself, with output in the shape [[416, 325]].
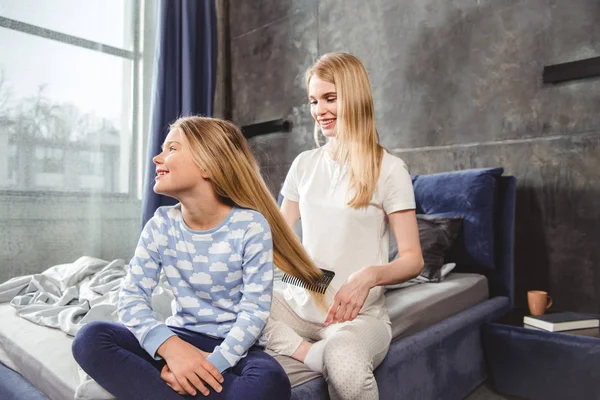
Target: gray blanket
[[67, 296]]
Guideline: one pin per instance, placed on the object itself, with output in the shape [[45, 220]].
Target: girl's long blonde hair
[[220, 149], [356, 134]]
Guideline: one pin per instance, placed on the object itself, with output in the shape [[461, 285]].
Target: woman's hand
[[350, 298], [189, 366]]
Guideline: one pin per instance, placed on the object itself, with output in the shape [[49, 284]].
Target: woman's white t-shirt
[[336, 236]]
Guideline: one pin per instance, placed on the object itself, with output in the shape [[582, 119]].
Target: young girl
[[216, 248], [347, 193]]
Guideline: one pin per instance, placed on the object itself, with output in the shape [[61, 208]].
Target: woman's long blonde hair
[[356, 134], [220, 149]]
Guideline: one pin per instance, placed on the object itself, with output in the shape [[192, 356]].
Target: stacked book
[[564, 321]]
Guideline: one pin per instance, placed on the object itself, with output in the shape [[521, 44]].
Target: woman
[[346, 193], [216, 248]]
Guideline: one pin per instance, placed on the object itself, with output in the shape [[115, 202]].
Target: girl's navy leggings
[[113, 357]]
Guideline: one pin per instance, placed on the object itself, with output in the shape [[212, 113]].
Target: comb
[[319, 286]]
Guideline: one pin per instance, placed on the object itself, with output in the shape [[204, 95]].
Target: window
[[75, 79], [70, 101]]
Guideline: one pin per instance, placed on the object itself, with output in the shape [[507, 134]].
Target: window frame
[[135, 55]]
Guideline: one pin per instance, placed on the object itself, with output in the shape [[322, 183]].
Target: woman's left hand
[[350, 298]]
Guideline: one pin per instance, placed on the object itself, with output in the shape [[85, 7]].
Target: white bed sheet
[[43, 355]]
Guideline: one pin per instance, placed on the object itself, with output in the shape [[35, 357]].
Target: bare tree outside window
[[75, 80]]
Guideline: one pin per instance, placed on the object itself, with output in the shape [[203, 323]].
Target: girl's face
[[323, 104], [176, 171]]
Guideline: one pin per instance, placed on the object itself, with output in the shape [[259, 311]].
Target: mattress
[[417, 307], [43, 355]]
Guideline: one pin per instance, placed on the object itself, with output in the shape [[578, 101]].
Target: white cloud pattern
[[136, 270], [265, 297], [251, 270], [254, 330], [239, 349], [151, 265], [267, 256], [148, 283], [223, 303], [236, 234], [141, 252], [225, 317], [237, 333], [234, 276], [254, 248], [170, 252], [218, 267], [241, 216], [201, 278], [235, 290], [189, 301], [220, 248], [207, 237], [184, 264], [137, 308], [235, 257], [203, 295], [159, 238], [255, 229], [267, 276], [253, 288], [171, 272], [185, 247]]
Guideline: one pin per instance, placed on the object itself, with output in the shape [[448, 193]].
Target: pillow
[[469, 194], [437, 234], [445, 270]]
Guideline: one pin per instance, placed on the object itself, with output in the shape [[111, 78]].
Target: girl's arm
[[255, 304], [352, 295], [188, 363], [135, 298]]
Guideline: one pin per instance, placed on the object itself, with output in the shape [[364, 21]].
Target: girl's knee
[[268, 376], [87, 337]]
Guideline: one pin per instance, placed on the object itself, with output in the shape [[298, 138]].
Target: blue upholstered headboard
[[486, 201]]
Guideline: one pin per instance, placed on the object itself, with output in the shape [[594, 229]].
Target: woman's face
[[323, 105]]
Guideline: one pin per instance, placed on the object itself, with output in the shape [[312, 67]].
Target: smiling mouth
[[160, 174], [327, 123]]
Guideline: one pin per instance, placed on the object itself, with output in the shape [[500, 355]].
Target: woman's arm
[[291, 212], [409, 263], [352, 295]]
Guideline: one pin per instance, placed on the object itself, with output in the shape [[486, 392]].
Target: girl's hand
[[189, 366], [170, 379], [350, 298]]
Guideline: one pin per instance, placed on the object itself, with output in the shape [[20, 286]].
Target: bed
[[436, 352]]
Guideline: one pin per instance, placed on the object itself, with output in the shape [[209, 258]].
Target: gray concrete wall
[[457, 84]]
